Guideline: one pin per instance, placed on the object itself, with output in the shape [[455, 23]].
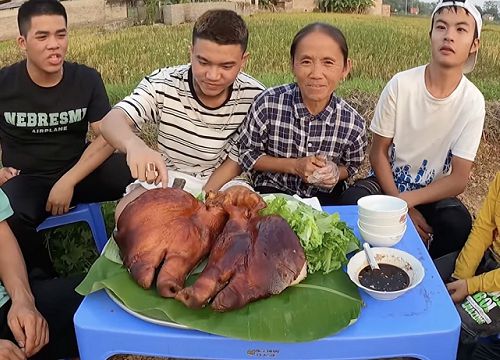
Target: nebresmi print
[[45, 122]]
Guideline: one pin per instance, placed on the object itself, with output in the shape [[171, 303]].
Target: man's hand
[[408, 197], [9, 351], [7, 173], [60, 197], [28, 327], [306, 166], [458, 290], [146, 164], [423, 229]]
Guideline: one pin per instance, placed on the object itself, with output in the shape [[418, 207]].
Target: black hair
[[454, 8], [33, 8], [326, 29], [224, 27]]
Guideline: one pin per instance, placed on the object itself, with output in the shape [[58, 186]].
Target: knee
[[27, 209], [359, 189], [122, 204], [26, 217], [452, 216]]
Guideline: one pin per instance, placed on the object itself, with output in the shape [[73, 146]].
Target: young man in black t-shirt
[[46, 106]]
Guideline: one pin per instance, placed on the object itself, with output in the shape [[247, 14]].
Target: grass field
[[379, 48]]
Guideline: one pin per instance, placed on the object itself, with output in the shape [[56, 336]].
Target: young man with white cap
[[427, 128]]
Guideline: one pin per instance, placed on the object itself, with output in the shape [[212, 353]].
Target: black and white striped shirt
[[192, 138]]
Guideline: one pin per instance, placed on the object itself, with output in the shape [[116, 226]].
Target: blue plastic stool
[[90, 213]]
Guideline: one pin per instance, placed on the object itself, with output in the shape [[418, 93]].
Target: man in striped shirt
[[198, 109]]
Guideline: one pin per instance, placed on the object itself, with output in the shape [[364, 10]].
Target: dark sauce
[[388, 278]]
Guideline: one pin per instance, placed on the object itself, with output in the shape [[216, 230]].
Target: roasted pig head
[[254, 257], [167, 228]]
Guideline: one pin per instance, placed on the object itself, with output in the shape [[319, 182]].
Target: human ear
[[475, 46], [244, 59], [347, 69], [21, 42]]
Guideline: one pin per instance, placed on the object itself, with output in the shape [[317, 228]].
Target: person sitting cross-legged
[[46, 108], [198, 109], [302, 138], [427, 128]]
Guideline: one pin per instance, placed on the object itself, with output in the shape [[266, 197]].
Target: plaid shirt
[[278, 124]]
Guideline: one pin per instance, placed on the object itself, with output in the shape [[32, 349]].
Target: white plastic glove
[[327, 176]]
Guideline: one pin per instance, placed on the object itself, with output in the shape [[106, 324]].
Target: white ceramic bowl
[[384, 255], [384, 220], [376, 229], [382, 206], [381, 240]]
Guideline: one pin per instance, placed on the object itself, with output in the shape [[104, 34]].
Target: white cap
[[471, 8]]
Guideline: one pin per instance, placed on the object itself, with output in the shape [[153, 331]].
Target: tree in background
[[490, 7], [345, 6], [398, 6]]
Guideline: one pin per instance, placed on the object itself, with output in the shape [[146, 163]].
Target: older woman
[[301, 138]]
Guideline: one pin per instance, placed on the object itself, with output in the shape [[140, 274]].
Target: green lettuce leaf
[[325, 238]]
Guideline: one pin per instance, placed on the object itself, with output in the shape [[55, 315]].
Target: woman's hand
[[327, 176], [306, 166], [458, 290]]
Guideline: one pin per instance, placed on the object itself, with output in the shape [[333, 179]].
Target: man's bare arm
[[448, 186], [28, 326], [227, 171], [94, 155], [117, 129], [379, 160]]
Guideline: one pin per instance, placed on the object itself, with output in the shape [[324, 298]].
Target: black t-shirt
[[43, 130]]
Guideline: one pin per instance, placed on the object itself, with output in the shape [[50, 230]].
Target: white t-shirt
[[427, 131], [192, 138]]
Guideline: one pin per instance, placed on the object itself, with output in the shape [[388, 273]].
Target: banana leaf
[[317, 307]]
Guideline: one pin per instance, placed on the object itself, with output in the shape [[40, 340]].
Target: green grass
[[379, 48]]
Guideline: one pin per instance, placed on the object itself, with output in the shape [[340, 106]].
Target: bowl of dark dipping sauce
[[399, 272]]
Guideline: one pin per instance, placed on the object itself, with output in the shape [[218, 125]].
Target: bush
[[72, 247], [345, 6]]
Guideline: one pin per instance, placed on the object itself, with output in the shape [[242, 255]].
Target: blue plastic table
[[423, 323]]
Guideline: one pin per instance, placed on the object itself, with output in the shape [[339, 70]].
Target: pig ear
[[214, 198], [230, 208], [261, 204], [254, 205]]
